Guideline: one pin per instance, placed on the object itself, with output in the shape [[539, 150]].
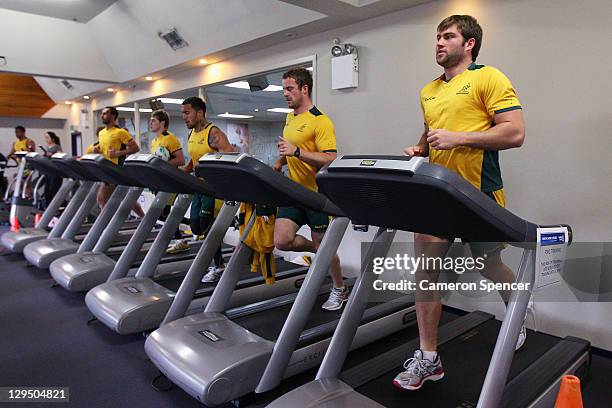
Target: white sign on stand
[[550, 256]]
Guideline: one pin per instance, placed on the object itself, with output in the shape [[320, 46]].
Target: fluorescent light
[[85, 97], [203, 61], [245, 85], [256, 110], [240, 84], [149, 78], [280, 110], [110, 89], [273, 88], [235, 116], [310, 68], [68, 103], [126, 109], [171, 101]]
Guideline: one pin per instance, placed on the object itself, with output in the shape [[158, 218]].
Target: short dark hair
[[196, 103], [54, 137], [302, 77], [468, 27], [113, 111], [162, 116], [20, 128]]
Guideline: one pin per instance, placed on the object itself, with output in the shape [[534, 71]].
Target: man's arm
[[315, 159], [11, 154], [31, 145], [421, 148], [218, 141], [279, 163], [178, 160], [188, 168], [508, 132]]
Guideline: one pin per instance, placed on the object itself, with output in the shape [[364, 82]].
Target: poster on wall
[[238, 136]]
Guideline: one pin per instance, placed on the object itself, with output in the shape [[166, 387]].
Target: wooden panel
[[22, 96]]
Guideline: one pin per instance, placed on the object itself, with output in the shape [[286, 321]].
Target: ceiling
[[119, 44], [74, 10], [225, 99]]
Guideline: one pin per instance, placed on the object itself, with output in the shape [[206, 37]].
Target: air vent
[[174, 40], [67, 84]]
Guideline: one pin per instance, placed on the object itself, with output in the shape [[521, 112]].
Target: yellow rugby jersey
[[467, 103], [311, 131], [90, 148], [198, 143], [167, 140], [21, 145], [114, 138]]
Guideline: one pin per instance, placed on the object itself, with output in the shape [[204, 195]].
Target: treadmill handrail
[[253, 170]]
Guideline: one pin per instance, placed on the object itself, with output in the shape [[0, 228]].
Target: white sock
[[430, 355]]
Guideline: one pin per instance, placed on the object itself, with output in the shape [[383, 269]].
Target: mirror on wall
[[250, 111]]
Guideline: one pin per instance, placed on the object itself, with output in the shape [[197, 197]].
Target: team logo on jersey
[[465, 89], [430, 98], [301, 128]]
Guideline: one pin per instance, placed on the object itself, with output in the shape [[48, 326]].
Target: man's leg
[[335, 270], [425, 364], [287, 239], [104, 192]]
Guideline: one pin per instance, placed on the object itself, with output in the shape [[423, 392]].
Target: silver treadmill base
[[16, 241], [81, 272], [41, 253]]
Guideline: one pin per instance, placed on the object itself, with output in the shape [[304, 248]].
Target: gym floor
[[46, 341]]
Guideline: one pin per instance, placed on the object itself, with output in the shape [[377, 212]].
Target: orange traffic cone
[[569, 393], [37, 219], [15, 224]]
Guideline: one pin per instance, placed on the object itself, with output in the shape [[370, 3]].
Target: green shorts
[[202, 206], [485, 249], [317, 221]]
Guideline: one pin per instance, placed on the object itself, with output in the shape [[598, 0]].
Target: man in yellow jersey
[[308, 143], [115, 144], [471, 112], [166, 146], [204, 138], [22, 144]]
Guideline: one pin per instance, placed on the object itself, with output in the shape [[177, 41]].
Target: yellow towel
[[260, 240]]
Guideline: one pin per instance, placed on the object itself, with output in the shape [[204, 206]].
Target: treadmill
[[139, 303], [216, 358], [95, 263], [15, 241], [387, 191]]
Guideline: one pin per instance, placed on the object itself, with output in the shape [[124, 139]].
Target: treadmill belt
[[206, 289], [465, 361]]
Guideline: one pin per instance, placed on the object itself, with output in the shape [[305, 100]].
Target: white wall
[[34, 44], [553, 51]]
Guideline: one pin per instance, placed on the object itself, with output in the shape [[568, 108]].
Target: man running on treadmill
[[308, 143], [471, 112], [114, 143], [204, 138], [22, 144]]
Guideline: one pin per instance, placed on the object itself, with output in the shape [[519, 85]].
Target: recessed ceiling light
[[149, 78], [310, 68], [85, 96], [110, 89], [273, 88], [280, 110], [126, 109], [256, 110], [235, 116], [203, 61], [68, 103], [171, 101]]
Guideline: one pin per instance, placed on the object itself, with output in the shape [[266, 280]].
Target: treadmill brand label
[[368, 163], [552, 238], [132, 289], [210, 335]]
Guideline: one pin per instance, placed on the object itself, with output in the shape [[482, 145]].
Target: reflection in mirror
[[250, 111]]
